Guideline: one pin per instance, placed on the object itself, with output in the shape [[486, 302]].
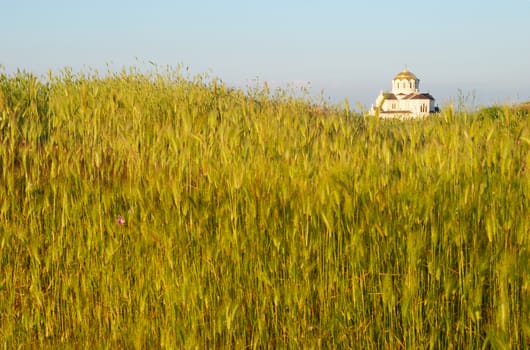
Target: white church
[[405, 100]]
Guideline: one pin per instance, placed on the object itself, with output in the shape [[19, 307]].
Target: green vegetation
[[158, 211]]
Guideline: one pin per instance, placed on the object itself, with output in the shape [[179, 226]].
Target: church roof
[[423, 97], [418, 96], [405, 75]]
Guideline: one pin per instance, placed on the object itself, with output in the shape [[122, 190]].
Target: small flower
[[120, 220]]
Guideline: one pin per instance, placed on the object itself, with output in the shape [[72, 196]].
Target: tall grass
[[158, 211]]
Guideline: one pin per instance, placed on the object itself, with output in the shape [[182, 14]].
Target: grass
[[153, 210]]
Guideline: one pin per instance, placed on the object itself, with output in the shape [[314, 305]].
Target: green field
[[155, 210]]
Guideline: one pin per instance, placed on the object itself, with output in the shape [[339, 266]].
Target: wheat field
[[157, 210]]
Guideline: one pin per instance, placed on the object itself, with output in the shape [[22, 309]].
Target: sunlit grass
[[152, 210]]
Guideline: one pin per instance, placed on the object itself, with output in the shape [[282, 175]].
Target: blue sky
[[350, 49]]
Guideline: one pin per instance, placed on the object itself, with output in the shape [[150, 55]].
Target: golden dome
[[405, 75]]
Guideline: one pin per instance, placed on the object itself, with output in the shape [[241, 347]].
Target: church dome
[[405, 75]]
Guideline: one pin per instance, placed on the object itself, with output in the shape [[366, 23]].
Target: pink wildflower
[[120, 220]]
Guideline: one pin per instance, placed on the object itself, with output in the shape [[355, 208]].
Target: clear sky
[[350, 49]]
